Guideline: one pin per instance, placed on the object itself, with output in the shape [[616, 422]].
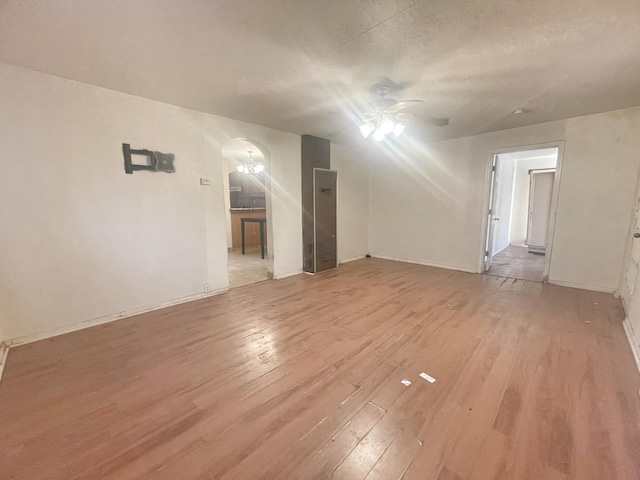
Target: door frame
[[554, 200]]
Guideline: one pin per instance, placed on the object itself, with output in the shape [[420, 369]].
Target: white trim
[[107, 318], [4, 351], [288, 274], [427, 264], [352, 259], [633, 341], [581, 286]]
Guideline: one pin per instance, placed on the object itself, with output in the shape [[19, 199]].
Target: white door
[[633, 269], [631, 279], [505, 172], [491, 215], [540, 191]]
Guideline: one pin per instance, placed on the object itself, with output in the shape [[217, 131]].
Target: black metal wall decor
[[157, 161]]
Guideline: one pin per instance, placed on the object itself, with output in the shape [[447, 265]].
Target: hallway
[[515, 261]]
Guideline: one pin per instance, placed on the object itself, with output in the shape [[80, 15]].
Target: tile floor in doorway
[[247, 268], [515, 261]]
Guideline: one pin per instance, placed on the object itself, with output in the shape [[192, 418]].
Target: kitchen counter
[[243, 209]]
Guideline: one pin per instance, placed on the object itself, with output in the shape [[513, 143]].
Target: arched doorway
[[246, 178]]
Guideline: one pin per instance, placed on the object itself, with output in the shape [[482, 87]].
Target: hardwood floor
[[515, 261], [301, 378]]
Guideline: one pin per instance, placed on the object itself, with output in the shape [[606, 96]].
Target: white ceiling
[[307, 66]]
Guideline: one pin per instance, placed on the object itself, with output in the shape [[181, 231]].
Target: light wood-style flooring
[[516, 261], [300, 378]]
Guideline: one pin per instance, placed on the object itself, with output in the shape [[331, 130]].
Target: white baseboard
[[581, 286], [351, 259], [633, 341], [4, 351], [427, 264], [107, 318], [288, 274]]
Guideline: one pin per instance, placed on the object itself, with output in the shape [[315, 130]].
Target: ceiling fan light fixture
[[378, 136], [386, 125], [367, 128], [382, 126]]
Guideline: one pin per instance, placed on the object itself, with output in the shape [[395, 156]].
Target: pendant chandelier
[[250, 166]]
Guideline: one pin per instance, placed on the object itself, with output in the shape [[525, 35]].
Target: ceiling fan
[[387, 116]]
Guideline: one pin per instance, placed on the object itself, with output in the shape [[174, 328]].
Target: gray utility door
[[325, 203]]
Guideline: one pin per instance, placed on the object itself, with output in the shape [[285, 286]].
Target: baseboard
[[108, 318], [426, 264], [351, 259], [4, 351], [288, 274], [581, 286], [633, 341], [501, 250]]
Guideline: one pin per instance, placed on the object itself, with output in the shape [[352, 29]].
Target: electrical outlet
[[207, 288]]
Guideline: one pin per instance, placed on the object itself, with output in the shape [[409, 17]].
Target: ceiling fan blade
[[402, 105], [383, 103], [419, 119]]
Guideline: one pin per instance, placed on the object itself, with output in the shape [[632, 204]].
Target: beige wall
[[85, 243], [428, 202], [353, 203]]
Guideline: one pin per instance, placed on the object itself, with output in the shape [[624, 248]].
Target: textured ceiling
[[308, 66]]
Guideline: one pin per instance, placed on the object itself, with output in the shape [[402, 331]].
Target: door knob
[[636, 235]]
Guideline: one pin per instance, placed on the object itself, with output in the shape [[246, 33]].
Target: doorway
[[519, 218], [246, 186]]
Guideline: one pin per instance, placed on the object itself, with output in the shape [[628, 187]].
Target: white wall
[[505, 172], [84, 242], [353, 203], [428, 201], [520, 212]]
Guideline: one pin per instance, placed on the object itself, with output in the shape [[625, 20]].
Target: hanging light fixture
[[250, 166], [382, 125]]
